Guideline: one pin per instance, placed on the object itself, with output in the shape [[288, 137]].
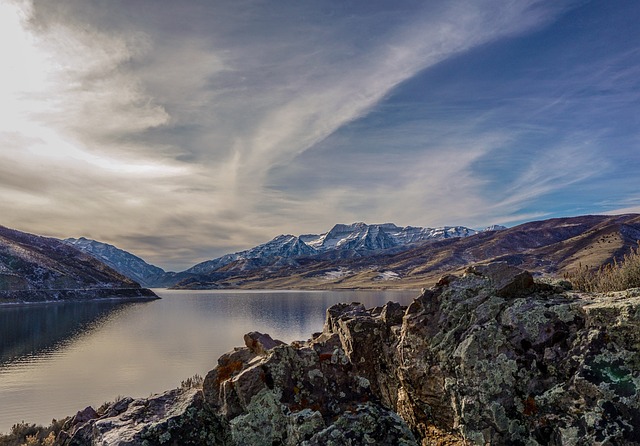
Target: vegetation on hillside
[[25, 434], [616, 276]]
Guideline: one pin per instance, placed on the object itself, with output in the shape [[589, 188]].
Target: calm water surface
[[58, 358]]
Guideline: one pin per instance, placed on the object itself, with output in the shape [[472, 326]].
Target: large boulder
[[531, 366]]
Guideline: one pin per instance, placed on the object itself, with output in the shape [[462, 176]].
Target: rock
[[489, 367], [506, 279], [84, 415], [260, 343], [487, 358]]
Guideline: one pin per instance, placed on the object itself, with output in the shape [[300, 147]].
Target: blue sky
[[181, 131]]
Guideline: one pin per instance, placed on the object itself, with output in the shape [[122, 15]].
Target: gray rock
[[488, 358], [506, 279], [174, 417]]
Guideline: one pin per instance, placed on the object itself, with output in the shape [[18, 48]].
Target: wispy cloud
[[185, 130]]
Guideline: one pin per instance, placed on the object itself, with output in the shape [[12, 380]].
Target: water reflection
[[59, 358], [33, 330]]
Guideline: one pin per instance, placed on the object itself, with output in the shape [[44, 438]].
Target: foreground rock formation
[[487, 358]]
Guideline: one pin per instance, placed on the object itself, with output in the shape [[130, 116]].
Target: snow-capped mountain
[[494, 228], [342, 241], [379, 236], [122, 261], [283, 246]]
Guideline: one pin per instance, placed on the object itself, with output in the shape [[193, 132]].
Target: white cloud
[[172, 127]]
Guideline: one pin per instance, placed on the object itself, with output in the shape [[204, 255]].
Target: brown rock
[[260, 343]]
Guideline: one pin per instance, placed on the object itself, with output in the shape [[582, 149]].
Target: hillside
[[550, 247], [35, 268], [122, 261]]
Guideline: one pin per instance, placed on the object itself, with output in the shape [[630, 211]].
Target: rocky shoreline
[[491, 357]]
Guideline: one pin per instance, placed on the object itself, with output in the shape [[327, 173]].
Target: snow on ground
[[336, 274], [387, 275]]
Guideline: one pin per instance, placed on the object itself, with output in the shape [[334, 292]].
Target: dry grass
[[194, 382], [617, 276], [25, 434]]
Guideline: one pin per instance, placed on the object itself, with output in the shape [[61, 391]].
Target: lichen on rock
[[491, 357]]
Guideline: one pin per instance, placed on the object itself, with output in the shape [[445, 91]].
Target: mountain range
[[385, 255], [342, 241], [284, 251], [35, 268], [359, 255]]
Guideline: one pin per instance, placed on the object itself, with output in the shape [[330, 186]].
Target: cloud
[[180, 131]]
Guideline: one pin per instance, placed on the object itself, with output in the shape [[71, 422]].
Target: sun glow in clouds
[[24, 80], [39, 83]]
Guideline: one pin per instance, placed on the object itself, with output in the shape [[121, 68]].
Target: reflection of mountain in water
[[28, 330]]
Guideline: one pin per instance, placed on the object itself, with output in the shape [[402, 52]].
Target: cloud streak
[[185, 131]]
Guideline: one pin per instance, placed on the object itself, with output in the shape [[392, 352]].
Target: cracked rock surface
[[491, 357]]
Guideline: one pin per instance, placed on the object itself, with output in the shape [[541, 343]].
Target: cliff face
[[487, 358]]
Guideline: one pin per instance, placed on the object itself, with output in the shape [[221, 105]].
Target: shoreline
[[16, 298]]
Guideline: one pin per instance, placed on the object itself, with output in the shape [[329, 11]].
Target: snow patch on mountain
[[494, 228], [387, 275], [336, 274]]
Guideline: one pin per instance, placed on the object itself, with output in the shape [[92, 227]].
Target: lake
[[56, 359]]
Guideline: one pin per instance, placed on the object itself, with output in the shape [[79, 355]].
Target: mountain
[[494, 228], [283, 246], [288, 252], [361, 237], [551, 247], [40, 268], [342, 241], [122, 261]]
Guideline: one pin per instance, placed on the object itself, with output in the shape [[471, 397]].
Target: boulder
[[506, 279], [175, 417]]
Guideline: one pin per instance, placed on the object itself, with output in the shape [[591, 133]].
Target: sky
[[184, 130]]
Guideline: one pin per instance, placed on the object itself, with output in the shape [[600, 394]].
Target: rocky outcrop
[[176, 417], [491, 357]]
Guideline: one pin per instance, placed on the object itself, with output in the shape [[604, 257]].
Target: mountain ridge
[[552, 247], [120, 260], [36, 268], [384, 255]]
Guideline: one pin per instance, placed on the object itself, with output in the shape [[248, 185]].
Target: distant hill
[[547, 247], [122, 261], [35, 268]]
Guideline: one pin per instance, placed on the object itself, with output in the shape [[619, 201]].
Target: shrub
[[195, 382], [25, 434], [616, 276]]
